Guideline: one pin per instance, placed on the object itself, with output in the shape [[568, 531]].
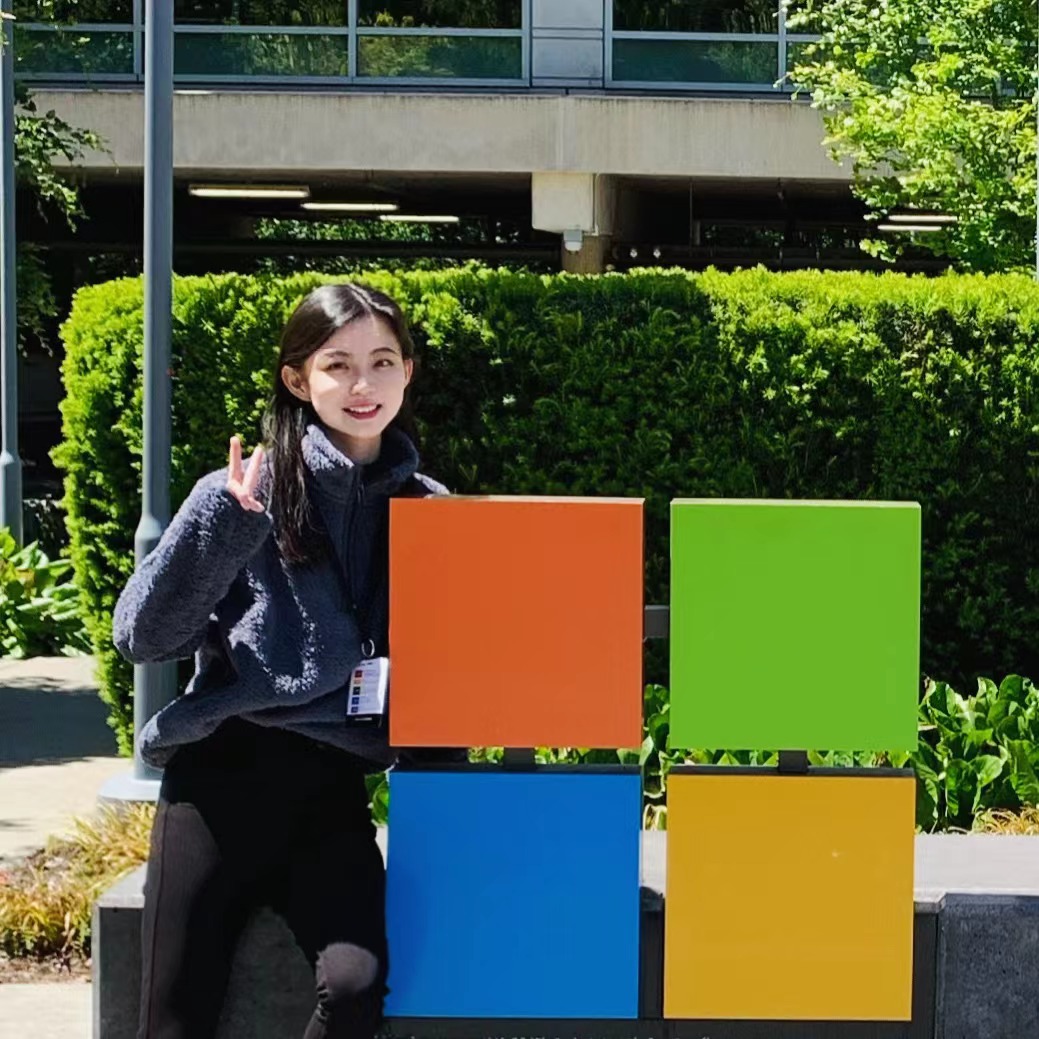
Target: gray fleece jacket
[[274, 643]]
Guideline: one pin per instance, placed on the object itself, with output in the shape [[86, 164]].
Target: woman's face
[[355, 382]]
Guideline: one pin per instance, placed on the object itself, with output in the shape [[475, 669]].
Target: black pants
[[254, 816]]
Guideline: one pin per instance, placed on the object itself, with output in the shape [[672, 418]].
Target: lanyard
[[360, 605]]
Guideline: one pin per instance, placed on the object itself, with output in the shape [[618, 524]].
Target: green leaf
[[1023, 778]]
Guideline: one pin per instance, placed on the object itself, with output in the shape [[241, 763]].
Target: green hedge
[[654, 383]]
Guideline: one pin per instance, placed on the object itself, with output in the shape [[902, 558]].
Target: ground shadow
[[47, 723]]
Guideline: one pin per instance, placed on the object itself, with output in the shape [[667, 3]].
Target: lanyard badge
[[366, 700]]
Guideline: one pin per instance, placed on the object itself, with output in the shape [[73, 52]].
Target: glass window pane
[[84, 11], [796, 54], [694, 61], [260, 12], [442, 57], [696, 16], [442, 14], [70, 51], [260, 54]]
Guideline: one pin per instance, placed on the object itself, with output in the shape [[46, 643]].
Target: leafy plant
[[977, 753], [39, 603], [40, 138], [46, 902]]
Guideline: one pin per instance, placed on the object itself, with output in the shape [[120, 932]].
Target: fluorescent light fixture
[[249, 190], [402, 218], [910, 217], [352, 207], [919, 228]]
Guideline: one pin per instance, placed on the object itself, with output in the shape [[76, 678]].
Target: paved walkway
[[56, 749], [49, 1011], [56, 752]]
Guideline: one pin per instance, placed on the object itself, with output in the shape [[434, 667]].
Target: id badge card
[[366, 699]]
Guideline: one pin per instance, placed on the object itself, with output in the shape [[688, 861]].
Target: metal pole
[[154, 684], [10, 462]]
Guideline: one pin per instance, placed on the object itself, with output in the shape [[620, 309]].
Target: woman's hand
[[242, 485]]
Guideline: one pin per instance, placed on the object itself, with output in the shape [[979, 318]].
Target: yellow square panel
[[789, 897]]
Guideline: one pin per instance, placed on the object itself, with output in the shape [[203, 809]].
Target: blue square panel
[[513, 894]]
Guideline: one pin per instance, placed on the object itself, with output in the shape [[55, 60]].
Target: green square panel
[[795, 625]]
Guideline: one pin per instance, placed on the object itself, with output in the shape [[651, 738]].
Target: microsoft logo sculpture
[[518, 622]]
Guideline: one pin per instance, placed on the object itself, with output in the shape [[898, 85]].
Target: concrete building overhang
[[277, 134]]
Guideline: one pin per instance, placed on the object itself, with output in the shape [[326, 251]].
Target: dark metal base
[[508, 1028]]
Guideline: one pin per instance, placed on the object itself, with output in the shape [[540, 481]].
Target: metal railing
[[272, 54], [354, 54], [738, 62]]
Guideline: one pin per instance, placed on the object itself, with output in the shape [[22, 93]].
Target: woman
[[275, 575]]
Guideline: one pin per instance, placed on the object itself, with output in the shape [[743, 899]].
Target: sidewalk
[[56, 751], [50, 1011]]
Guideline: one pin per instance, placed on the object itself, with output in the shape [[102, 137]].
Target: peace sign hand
[[242, 485]]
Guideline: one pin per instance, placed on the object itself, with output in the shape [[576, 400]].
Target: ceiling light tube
[[921, 218], [919, 228], [402, 218], [352, 207], [249, 191]]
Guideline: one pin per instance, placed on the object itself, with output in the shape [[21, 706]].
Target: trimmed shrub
[[659, 384]]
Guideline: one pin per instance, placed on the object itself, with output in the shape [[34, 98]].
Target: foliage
[[86, 11], [751, 16], [976, 763], [652, 384], [369, 232], [485, 14], [39, 139], [463, 14], [45, 524], [1024, 823], [978, 752], [39, 604], [46, 902], [466, 57], [933, 104], [977, 756]]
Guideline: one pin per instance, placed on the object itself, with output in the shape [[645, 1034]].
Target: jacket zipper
[[350, 555]]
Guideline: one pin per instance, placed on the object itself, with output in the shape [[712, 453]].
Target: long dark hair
[[285, 421]]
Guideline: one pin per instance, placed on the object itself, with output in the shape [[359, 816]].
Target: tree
[[39, 139], [933, 101]]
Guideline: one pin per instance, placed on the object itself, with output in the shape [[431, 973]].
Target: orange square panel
[[516, 622]]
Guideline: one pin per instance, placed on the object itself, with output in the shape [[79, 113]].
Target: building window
[[716, 16], [288, 13], [86, 11], [441, 14]]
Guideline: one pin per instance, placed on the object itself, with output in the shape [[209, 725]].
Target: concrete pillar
[[581, 207], [591, 258]]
